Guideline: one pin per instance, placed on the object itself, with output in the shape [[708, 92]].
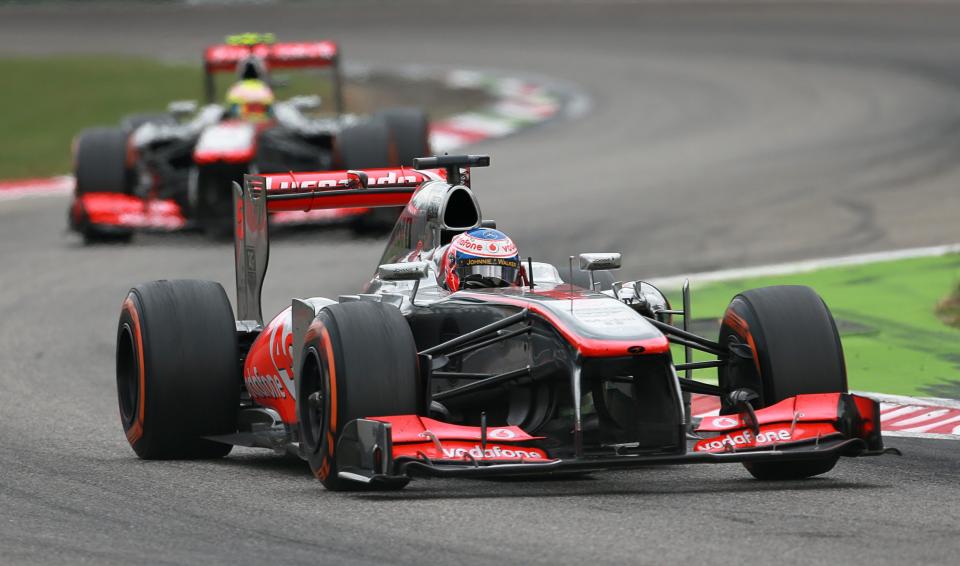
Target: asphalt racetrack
[[719, 136]]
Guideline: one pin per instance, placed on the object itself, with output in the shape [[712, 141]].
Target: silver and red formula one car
[[173, 170], [411, 378]]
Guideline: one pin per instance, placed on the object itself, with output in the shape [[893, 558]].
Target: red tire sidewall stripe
[[328, 359], [135, 432]]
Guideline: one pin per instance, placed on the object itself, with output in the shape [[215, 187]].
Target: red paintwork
[[276, 56], [460, 451], [314, 184], [804, 417], [306, 216], [771, 434], [228, 156], [232, 141], [588, 347], [358, 200], [810, 408], [870, 411], [418, 437], [411, 428], [112, 209], [268, 369]]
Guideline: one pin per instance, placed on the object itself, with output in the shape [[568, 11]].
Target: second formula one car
[[174, 170], [460, 359]]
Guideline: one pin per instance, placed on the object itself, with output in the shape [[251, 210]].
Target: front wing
[[390, 450]]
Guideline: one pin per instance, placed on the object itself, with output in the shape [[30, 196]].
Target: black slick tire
[[359, 360], [796, 350], [410, 131], [178, 376], [369, 145], [100, 166]]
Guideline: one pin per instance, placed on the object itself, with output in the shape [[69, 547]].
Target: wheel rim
[[128, 372], [313, 410]]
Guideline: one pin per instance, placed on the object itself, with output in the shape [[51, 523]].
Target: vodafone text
[[494, 452], [744, 438]]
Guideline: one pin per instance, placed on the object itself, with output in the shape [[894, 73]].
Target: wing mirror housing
[[598, 262], [406, 271], [182, 109]]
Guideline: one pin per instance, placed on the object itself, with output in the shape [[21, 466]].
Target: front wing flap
[[121, 211], [390, 450]]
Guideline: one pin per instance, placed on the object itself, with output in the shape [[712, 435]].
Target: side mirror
[[306, 103], [407, 271], [182, 108], [599, 262]]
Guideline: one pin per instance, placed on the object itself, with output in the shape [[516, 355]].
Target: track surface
[[720, 137]]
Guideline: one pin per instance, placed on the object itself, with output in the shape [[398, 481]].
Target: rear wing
[[292, 55], [262, 194]]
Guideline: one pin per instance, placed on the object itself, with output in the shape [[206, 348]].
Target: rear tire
[[100, 166], [361, 362], [369, 145], [796, 349], [410, 131], [178, 375]]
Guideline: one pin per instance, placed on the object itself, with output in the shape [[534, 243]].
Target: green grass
[[47, 101], [902, 346]]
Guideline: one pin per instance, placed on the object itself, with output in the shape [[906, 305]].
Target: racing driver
[[480, 258], [250, 100]]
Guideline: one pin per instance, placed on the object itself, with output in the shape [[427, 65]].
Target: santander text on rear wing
[[218, 58], [369, 188], [290, 55]]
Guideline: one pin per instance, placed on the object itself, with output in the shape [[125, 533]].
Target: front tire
[[178, 376], [100, 166], [796, 350], [359, 360]]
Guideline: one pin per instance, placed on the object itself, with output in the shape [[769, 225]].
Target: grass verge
[[893, 339], [46, 101]]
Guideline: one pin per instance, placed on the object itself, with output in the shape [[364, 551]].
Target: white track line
[[675, 281]]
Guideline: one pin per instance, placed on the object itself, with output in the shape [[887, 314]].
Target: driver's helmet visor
[[488, 271]]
